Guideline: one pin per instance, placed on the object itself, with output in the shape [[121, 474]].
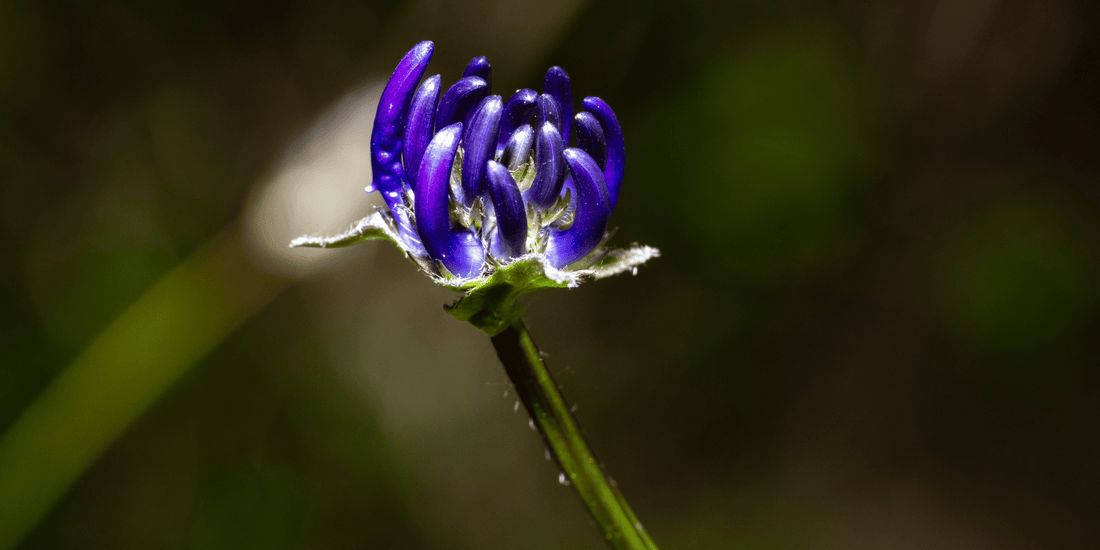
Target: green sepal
[[374, 227], [490, 303]]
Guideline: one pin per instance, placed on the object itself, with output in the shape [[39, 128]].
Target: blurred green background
[[874, 323]]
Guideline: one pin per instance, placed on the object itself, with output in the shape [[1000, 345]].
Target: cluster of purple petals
[[420, 129]]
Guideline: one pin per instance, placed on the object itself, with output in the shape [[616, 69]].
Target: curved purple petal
[[479, 139], [592, 211], [420, 126], [459, 251], [511, 232], [616, 149], [557, 85], [549, 167], [517, 111], [459, 99], [518, 147], [547, 110], [479, 67], [590, 137], [387, 136]]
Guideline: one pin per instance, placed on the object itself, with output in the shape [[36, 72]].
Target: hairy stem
[[565, 440]]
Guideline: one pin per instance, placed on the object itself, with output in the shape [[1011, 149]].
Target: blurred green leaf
[[128, 366]]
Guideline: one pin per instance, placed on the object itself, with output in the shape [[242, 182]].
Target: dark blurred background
[[874, 323]]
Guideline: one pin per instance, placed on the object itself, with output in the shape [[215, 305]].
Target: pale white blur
[[316, 188]]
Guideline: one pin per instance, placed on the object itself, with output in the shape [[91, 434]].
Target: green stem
[[563, 437]]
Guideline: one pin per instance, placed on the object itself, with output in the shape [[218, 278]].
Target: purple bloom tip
[[616, 150], [459, 99], [479, 67], [549, 167], [510, 213], [557, 86], [479, 140], [516, 113], [518, 148], [592, 210]]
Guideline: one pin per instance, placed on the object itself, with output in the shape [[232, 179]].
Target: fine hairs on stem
[[565, 440]]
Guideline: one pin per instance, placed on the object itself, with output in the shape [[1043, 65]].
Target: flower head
[[483, 191]]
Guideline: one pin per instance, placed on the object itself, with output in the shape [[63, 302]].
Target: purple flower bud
[[517, 111], [518, 148], [420, 127], [557, 86], [479, 140], [547, 110], [549, 167], [511, 232], [479, 67], [592, 210], [417, 136], [590, 137], [459, 99], [460, 251], [388, 132], [616, 149]]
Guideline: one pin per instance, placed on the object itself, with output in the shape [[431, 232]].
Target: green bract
[[490, 301]]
